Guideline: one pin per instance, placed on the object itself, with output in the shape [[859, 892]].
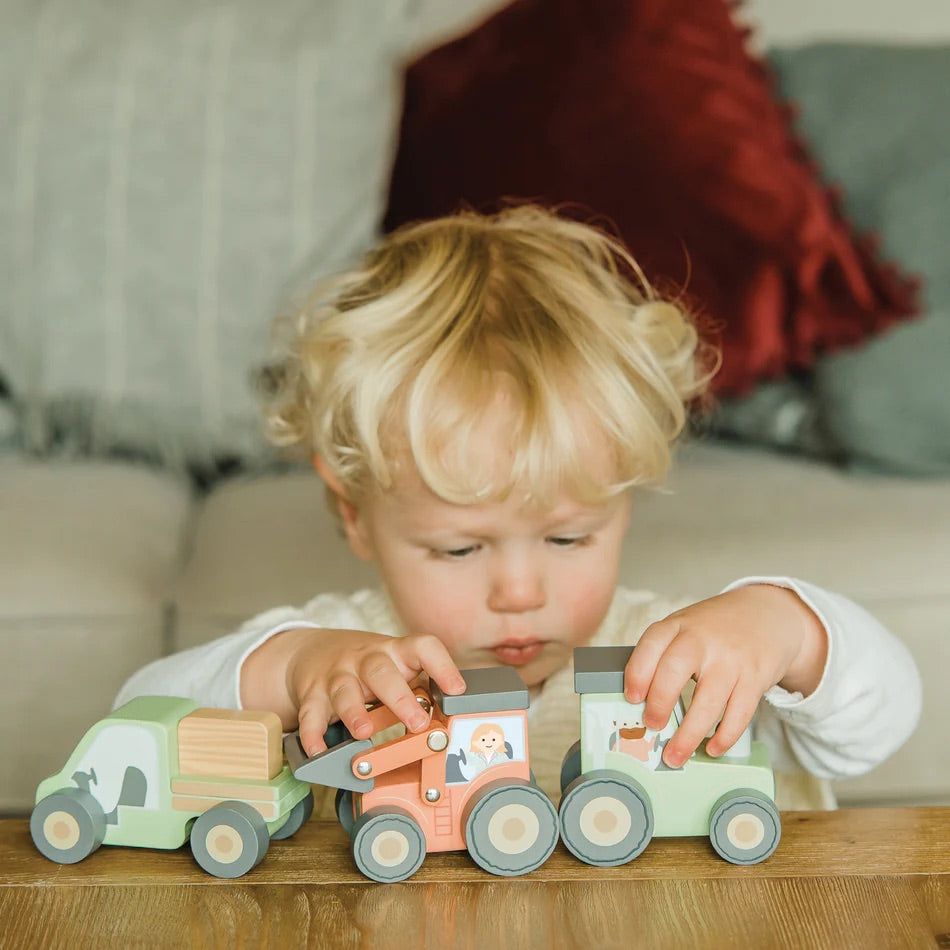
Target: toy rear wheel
[[344, 810], [229, 839], [388, 845], [68, 825], [606, 818], [299, 815], [745, 826], [570, 765], [510, 828]]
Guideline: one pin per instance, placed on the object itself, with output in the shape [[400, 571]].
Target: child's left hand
[[736, 646]]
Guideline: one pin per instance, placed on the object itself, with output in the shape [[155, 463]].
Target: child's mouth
[[518, 652]]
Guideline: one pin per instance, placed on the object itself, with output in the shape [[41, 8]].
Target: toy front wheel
[[388, 845], [299, 815], [68, 825], [745, 827], [510, 829], [229, 839], [606, 818]]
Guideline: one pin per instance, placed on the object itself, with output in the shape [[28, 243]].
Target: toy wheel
[[344, 810], [68, 825], [388, 845], [299, 815], [510, 829], [745, 827], [229, 839], [606, 818], [571, 765]]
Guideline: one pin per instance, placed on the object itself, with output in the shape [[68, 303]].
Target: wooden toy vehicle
[[617, 793], [464, 782], [160, 771]]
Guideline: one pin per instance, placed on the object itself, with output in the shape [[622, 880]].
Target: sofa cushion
[[89, 552], [876, 127], [653, 118], [172, 168], [734, 510], [88, 538], [259, 543]]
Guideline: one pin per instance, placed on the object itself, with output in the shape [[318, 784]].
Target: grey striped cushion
[[169, 169]]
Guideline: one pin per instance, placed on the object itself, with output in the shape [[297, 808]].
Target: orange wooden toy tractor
[[462, 783]]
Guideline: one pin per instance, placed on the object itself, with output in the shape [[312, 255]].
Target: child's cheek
[[440, 610], [587, 611]]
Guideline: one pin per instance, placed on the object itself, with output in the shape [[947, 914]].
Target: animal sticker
[[631, 737]]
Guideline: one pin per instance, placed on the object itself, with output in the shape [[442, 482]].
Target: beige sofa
[[105, 564]]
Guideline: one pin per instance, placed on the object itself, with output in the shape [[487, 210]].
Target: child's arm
[[210, 673], [865, 708], [787, 641]]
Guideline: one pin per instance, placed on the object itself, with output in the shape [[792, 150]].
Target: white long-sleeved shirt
[[865, 707]]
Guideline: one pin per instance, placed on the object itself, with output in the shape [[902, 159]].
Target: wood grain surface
[[869, 878]]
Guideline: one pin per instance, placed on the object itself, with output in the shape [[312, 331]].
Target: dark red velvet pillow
[[652, 114]]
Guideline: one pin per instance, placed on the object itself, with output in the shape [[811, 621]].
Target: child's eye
[[457, 554], [570, 542]]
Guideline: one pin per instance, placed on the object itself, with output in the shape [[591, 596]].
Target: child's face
[[497, 583]]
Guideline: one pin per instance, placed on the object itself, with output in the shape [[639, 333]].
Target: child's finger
[[673, 672], [381, 676], [739, 712], [346, 699], [641, 667], [709, 700], [313, 718], [429, 654]]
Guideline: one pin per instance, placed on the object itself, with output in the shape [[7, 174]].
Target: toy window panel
[[617, 727], [479, 743], [103, 766]]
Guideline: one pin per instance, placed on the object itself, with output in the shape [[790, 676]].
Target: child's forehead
[[485, 454], [411, 499], [490, 421]]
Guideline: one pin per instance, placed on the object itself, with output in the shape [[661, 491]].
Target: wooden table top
[[869, 878]]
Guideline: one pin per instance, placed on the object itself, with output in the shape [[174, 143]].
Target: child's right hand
[[332, 674]]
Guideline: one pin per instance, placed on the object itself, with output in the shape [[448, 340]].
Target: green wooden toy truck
[[617, 793], [159, 771]]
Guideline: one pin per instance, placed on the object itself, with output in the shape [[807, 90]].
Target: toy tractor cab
[[463, 782], [617, 793]]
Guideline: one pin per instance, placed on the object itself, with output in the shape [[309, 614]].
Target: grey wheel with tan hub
[[510, 829], [606, 818], [68, 825], [745, 827], [388, 845], [229, 839], [299, 816]]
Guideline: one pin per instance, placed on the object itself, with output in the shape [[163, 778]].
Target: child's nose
[[516, 589]]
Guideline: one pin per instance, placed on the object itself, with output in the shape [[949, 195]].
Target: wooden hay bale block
[[230, 743]]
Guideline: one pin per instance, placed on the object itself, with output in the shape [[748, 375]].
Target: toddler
[[485, 397]]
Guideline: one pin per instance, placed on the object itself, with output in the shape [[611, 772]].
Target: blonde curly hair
[[402, 356]]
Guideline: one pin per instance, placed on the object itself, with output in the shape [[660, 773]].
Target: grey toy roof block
[[494, 689], [600, 669]]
